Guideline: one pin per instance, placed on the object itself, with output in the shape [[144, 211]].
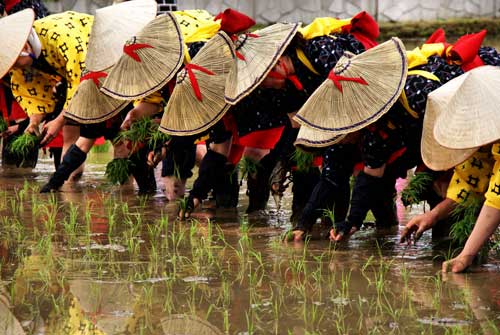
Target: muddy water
[[96, 259]]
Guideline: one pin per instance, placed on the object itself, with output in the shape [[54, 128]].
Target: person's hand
[[458, 264], [337, 235], [129, 119], [51, 129], [155, 157], [10, 131], [416, 227], [190, 205], [33, 128]]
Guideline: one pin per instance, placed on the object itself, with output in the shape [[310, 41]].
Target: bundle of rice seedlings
[[103, 148], [3, 125], [303, 160], [418, 185], [143, 132], [118, 170], [248, 167], [465, 215], [23, 144]]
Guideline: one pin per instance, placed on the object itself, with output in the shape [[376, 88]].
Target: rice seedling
[[465, 215], [3, 125], [118, 170], [415, 191], [248, 167], [303, 160], [23, 145]]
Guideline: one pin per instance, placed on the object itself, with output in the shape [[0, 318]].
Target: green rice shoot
[[418, 185], [23, 144], [118, 170], [303, 160], [3, 125], [464, 217], [248, 167]]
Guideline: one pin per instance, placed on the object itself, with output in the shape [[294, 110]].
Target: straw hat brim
[[185, 113], [187, 325], [352, 105], [89, 105], [112, 27], [158, 63], [434, 155], [261, 53], [471, 118], [310, 137], [14, 32]]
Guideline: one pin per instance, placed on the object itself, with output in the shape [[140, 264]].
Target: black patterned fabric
[[36, 5], [489, 56], [417, 87]]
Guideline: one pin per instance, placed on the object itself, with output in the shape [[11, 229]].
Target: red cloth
[[439, 36], [235, 154], [364, 28], [57, 142], [234, 22], [467, 46], [100, 141], [10, 3], [262, 139]]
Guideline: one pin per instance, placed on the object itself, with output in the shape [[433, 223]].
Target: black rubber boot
[[365, 191], [209, 172], [143, 174], [73, 158], [303, 186], [384, 205], [258, 188], [227, 187]]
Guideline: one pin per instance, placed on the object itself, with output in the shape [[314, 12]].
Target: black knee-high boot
[[227, 187], [364, 194], [73, 158], [304, 183], [258, 187], [211, 165], [143, 174]]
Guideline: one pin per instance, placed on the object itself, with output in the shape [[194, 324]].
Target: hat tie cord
[[289, 75], [192, 77], [336, 79], [94, 76], [131, 49]]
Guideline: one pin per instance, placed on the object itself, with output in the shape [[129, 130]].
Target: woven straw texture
[[189, 114], [14, 32], [155, 55], [261, 51], [310, 137], [342, 106], [113, 26], [187, 325], [471, 118], [89, 105], [434, 155]]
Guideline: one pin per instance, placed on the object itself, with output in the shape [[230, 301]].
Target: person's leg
[[258, 188], [74, 157], [177, 166], [71, 134]]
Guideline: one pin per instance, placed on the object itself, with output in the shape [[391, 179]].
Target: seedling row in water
[[218, 273]]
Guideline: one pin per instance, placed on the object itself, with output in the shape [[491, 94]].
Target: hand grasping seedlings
[[24, 144]]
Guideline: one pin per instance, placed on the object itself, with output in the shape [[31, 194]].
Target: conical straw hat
[[112, 27], [310, 137], [150, 60], [14, 32], [471, 118], [182, 324], [358, 91], [189, 111], [434, 155], [257, 54], [89, 104]]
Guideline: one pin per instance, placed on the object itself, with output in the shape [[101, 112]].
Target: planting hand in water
[[485, 226], [423, 222], [342, 230]]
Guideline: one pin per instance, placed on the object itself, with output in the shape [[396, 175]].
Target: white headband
[[34, 42]]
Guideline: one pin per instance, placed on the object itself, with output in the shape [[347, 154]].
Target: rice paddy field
[[97, 259]]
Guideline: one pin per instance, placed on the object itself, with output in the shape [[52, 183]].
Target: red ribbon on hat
[[132, 48], [94, 76], [192, 77], [337, 79], [289, 75]]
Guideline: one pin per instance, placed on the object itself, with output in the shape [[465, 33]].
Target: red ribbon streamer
[[292, 77], [132, 48], [94, 76], [192, 77], [337, 79]]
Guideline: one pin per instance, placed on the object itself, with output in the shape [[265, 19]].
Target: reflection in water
[[96, 259]]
